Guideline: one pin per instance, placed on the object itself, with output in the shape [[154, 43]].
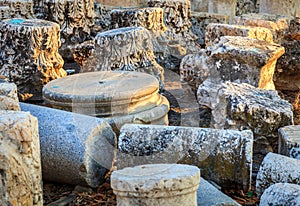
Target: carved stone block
[[289, 141], [18, 9], [29, 56]]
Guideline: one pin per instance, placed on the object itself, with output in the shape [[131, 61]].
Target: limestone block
[[276, 168], [281, 194], [21, 177], [75, 148], [219, 153], [246, 6], [102, 17], [29, 56], [289, 141], [200, 20], [123, 49], [215, 31], [9, 90], [225, 7], [18, 9], [277, 24], [287, 8], [241, 106], [156, 184], [199, 5], [4, 12], [125, 3], [76, 18]]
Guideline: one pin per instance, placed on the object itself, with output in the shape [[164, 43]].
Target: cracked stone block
[[286, 8], [20, 164], [224, 156], [17, 9], [281, 194], [200, 20], [277, 24], [76, 18], [277, 168], [289, 141], [123, 49], [75, 149], [225, 7], [246, 6], [242, 106], [29, 56], [214, 31]]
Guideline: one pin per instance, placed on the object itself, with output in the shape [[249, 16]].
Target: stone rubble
[[289, 141]]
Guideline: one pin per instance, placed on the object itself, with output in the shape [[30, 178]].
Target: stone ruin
[[114, 118]]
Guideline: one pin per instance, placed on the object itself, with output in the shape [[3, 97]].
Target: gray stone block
[[289, 141], [281, 194], [276, 168], [75, 149], [225, 156]]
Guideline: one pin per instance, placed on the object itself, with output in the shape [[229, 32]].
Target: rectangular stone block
[[280, 7], [225, 7], [124, 3], [199, 5], [289, 141], [8, 96], [224, 156]]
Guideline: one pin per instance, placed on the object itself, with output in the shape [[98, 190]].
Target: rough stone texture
[[125, 3], [8, 96], [4, 12], [276, 168], [287, 8], [215, 31], [76, 18], [20, 167], [156, 184], [225, 7], [17, 9], [277, 24], [124, 49], [207, 194], [102, 17], [281, 194], [247, 6], [200, 20], [199, 5], [224, 156], [29, 56], [289, 141], [75, 149]]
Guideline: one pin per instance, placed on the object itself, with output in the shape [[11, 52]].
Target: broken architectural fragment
[[8, 96], [246, 6], [286, 8], [17, 9], [156, 184], [75, 149], [224, 156], [225, 7], [21, 176], [125, 3], [276, 168], [29, 56], [215, 31], [289, 141]]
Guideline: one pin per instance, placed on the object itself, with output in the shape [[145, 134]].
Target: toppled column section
[[21, 175], [124, 49], [156, 184], [289, 141], [215, 31], [29, 56], [225, 156], [287, 8], [18, 9], [75, 149], [277, 169]]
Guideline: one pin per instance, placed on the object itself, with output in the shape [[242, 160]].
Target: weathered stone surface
[[124, 49], [29, 56], [76, 18], [241, 106], [276, 168], [289, 141], [102, 17], [200, 20], [246, 6], [75, 148], [17, 9], [199, 5], [214, 32], [21, 177], [281, 194], [207, 194], [225, 7], [219, 153], [125, 3], [287, 8], [156, 184], [4, 12], [8, 90], [277, 24]]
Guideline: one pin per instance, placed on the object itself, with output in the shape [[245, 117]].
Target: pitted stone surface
[[281, 194], [246, 6], [219, 153], [20, 176], [75, 149], [17, 9], [156, 184], [289, 141], [215, 31], [276, 168], [29, 56]]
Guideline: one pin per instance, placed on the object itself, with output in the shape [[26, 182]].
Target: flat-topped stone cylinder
[[156, 184], [289, 141], [29, 56]]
